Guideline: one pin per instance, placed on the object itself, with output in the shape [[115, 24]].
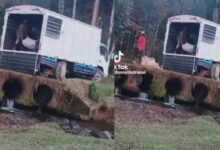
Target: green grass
[[103, 91], [106, 90], [201, 133], [50, 137]]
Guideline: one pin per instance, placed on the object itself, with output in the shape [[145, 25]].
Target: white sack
[[29, 43], [188, 47]]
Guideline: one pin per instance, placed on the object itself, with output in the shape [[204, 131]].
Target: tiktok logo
[[118, 57]]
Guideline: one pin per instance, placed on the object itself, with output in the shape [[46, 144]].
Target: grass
[[201, 133], [103, 91], [49, 136], [106, 90]]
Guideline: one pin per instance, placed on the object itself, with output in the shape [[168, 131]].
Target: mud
[[16, 122], [22, 121], [104, 114], [131, 112]]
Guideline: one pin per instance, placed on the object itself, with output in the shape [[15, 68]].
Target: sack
[[149, 62], [188, 47], [29, 43]]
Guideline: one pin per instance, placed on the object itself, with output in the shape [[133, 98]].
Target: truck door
[[104, 58], [207, 46]]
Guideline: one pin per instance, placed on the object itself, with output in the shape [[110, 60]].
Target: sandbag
[[29, 43], [149, 62]]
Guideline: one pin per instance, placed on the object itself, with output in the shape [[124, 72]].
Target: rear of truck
[[13, 55], [181, 59], [200, 52]]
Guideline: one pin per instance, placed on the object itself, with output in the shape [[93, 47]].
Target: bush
[[93, 92]]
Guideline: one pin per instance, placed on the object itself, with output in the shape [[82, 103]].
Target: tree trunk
[[61, 6], [113, 46], [95, 12], [155, 37], [74, 8], [111, 26], [216, 12]]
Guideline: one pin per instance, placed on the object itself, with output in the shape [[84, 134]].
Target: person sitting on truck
[[181, 39], [188, 46], [21, 34], [35, 33], [31, 42]]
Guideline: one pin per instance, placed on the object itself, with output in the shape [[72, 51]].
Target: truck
[[200, 52], [54, 45]]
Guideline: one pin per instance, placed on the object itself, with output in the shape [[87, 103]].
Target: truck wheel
[[215, 71], [61, 70], [99, 75]]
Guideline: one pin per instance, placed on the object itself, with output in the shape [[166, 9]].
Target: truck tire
[[61, 70], [215, 71], [99, 75]]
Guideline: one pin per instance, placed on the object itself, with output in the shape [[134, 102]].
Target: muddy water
[[79, 127]]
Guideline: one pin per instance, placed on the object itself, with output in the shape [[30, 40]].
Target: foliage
[[106, 89], [103, 91], [93, 92], [123, 10]]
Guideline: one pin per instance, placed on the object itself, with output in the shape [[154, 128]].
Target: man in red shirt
[[142, 45]]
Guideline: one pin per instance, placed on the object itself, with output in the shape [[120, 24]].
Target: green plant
[[93, 92]]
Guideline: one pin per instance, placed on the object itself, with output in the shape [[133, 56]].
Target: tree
[[61, 6], [216, 12], [111, 26], [74, 8], [95, 12], [123, 11]]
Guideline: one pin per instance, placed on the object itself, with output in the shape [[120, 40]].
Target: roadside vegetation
[[102, 91], [49, 136], [199, 133]]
